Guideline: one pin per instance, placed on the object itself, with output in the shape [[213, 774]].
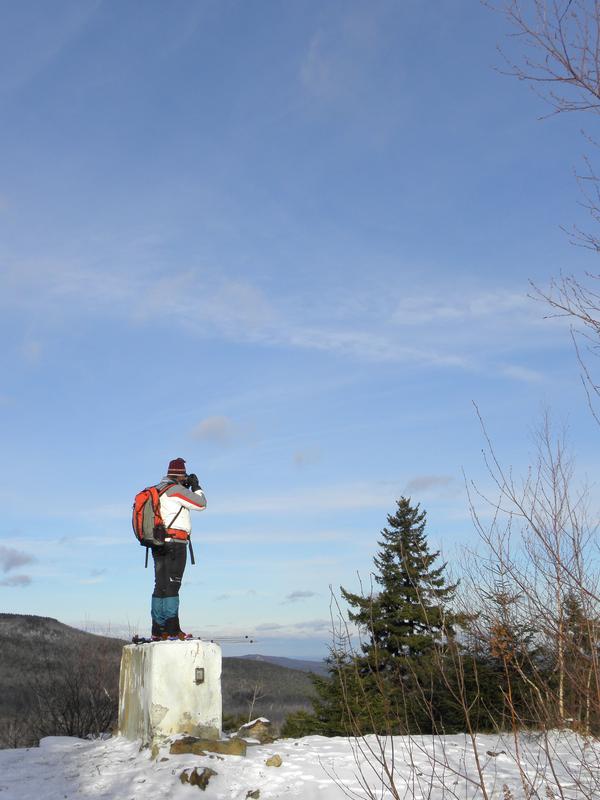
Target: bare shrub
[[76, 695]]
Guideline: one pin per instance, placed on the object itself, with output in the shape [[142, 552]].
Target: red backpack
[[148, 524]]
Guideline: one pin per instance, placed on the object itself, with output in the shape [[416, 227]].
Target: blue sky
[[291, 243]]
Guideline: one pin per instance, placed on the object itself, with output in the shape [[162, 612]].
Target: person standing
[[182, 495]]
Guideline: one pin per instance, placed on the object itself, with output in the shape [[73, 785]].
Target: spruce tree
[[406, 624], [409, 616]]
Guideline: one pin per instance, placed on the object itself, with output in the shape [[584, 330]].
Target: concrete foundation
[[168, 688]]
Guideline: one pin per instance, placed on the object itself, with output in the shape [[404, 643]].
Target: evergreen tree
[[344, 703], [407, 624], [402, 680], [409, 617]]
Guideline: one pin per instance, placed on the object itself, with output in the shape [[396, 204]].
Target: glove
[[192, 482]]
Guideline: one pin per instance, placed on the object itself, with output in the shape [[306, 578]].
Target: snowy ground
[[313, 767]]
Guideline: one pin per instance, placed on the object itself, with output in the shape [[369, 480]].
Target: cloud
[[269, 626], [425, 309], [337, 57], [223, 597], [474, 329], [16, 580], [96, 576], [423, 483], [216, 430], [294, 597], [331, 497], [306, 457], [11, 558], [303, 629], [37, 39], [313, 624], [31, 350], [523, 374]]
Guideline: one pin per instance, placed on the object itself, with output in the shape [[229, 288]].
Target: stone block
[[198, 747], [170, 688]]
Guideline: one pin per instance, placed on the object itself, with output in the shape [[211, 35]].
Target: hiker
[[184, 494]]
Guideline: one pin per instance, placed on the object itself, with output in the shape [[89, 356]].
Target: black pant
[[169, 565]]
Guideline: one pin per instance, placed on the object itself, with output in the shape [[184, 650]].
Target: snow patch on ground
[[314, 767]]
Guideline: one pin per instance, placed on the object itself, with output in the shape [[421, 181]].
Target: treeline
[[513, 646]]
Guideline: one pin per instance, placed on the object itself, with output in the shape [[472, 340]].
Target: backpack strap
[[175, 517], [160, 492]]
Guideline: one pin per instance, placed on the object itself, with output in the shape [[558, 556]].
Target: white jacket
[[175, 506]]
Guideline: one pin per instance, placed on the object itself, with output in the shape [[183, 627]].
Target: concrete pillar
[[167, 688]]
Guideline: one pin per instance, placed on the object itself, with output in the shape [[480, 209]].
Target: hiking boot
[[181, 635], [173, 630], [157, 631]]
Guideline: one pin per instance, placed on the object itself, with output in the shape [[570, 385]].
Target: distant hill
[[304, 665], [37, 653]]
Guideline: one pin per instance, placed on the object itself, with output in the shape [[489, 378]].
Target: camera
[[191, 482]]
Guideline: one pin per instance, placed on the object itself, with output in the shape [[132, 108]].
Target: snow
[[252, 722], [313, 767]]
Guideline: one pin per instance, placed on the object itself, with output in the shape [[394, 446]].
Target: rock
[[190, 744], [195, 778], [253, 795], [259, 729], [274, 761]]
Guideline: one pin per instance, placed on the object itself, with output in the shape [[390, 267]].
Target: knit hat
[[177, 467]]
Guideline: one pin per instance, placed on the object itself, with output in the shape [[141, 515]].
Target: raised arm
[[195, 501]]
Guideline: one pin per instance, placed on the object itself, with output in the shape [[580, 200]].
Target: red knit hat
[[177, 467]]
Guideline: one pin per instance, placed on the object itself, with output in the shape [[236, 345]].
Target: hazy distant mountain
[[318, 667]]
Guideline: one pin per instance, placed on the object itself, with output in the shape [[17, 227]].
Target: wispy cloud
[[216, 430], [31, 350], [96, 576], [523, 374], [16, 581], [40, 40], [303, 629], [11, 558], [275, 535], [299, 594], [307, 456], [269, 626], [474, 330], [332, 497], [337, 55], [425, 483], [425, 309]]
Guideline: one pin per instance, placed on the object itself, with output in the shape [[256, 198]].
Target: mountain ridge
[[41, 656]]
